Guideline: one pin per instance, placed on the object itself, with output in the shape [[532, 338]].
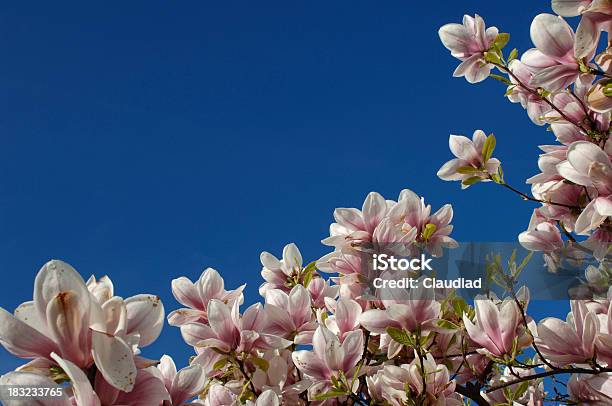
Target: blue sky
[[149, 140]]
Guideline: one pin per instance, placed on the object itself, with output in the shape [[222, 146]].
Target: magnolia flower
[[376, 388], [419, 379], [281, 274], [148, 389], [219, 395], [267, 398], [290, 315], [544, 237], [229, 331], [468, 42], [418, 309], [345, 318], [470, 160], [588, 165], [591, 389], [412, 216], [520, 91], [196, 296], [603, 342], [599, 242], [67, 319], [571, 341], [573, 109], [279, 377], [320, 290], [353, 227], [496, 326], [184, 384], [595, 18], [552, 61], [351, 267], [533, 395], [599, 97], [34, 380], [329, 360]]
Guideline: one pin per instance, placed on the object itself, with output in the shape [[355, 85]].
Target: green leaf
[[311, 267], [492, 57], [308, 273], [488, 148], [607, 90], [429, 230], [330, 394], [523, 264], [501, 78], [447, 325], [220, 364], [510, 90], [470, 181], [467, 170], [501, 40], [513, 55], [400, 336], [460, 306]]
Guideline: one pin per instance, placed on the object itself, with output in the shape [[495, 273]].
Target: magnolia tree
[[317, 340]]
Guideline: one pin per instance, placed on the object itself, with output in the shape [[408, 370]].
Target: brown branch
[[472, 392], [533, 199], [549, 373]]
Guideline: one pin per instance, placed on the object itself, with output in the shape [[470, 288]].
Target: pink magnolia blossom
[[427, 378], [597, 98], [32, 379], [279, 273], [353, 227], [468, 42], [599, 242], [184, 384], [588, 165], [520, 90], [67, 319], [593, 390], [290, 315], [417, 310], [219, 395], [543, 236], [279, 377], [196, 296], [352, 270], [320, 290], [329, 358], [496, 327], [571, 341], [468, 154], [229, 331], [595, 18], [345, 318], [552, 61], [533, 395], [267, 398], [412, 215]]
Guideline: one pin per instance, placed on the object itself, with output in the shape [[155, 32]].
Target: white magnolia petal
[[115, 360]]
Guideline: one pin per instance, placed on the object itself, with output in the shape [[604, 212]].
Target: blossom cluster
[[319, 337], [561, 82]]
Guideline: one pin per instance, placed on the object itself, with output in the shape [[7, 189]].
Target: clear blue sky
[[149, 140]]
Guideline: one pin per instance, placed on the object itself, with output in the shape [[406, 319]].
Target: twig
[[549, 373]]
